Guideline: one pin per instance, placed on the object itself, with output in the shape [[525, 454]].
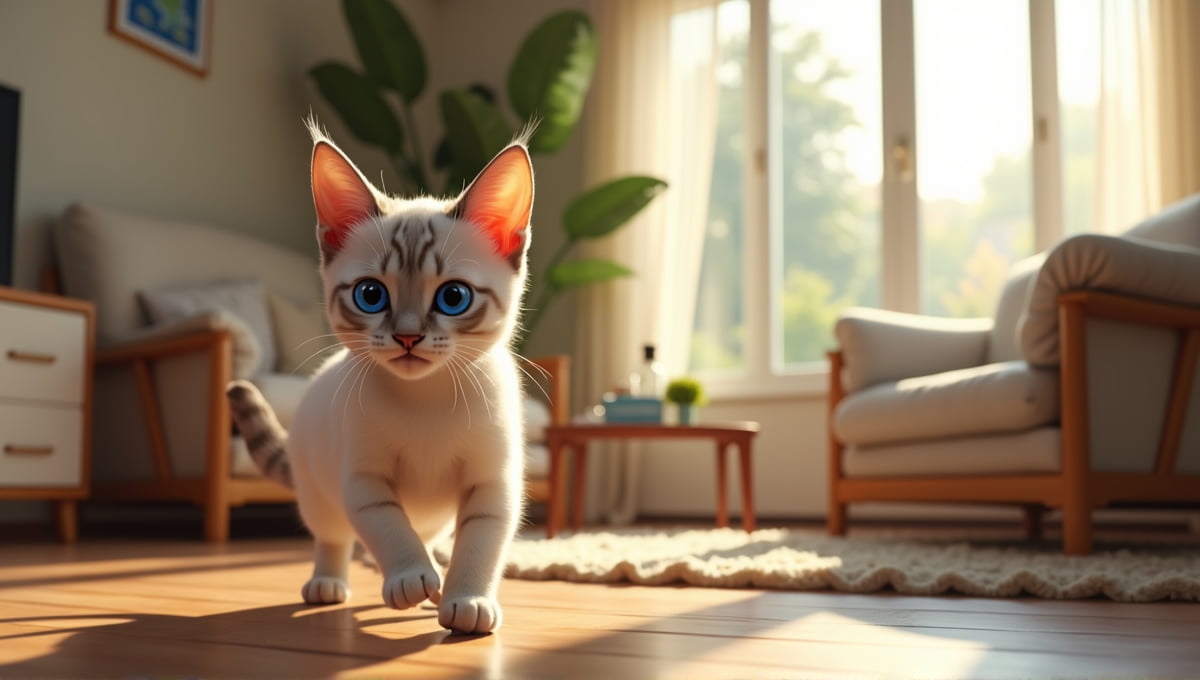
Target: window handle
[[902, 159]]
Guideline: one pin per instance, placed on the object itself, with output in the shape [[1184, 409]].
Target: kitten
[[414, 430]]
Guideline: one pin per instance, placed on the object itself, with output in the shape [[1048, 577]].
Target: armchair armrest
[[199, 335], [188, 335], [1128, 266], [880, 346]]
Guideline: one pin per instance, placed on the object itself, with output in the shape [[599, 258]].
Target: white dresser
[[46, 349]]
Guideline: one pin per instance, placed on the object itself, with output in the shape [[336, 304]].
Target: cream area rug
[[809, 560]]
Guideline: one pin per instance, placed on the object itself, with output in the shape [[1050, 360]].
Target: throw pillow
[[245, 300], [304, 342]]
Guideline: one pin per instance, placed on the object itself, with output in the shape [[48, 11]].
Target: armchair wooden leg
[[1031, 522], [216, 522], [835, 520], [1077, 530]]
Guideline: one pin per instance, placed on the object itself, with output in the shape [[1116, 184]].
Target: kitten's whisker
[[360, 370], [479, 353], [362, 384], [455, 363], [471, 371], [348, 344], [324, 336], [354, 363], [536, 383], [446, 240]]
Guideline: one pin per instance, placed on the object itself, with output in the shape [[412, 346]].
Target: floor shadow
[[257, 642]]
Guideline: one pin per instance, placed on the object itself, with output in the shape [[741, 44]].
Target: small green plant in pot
[[686, 394]]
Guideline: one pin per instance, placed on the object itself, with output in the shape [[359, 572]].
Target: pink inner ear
[[340, 194], [500, 200]]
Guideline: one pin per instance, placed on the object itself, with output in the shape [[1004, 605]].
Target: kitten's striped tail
[[265, 437]]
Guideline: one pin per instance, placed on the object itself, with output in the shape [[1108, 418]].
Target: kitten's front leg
[[486, 520], [409, 577]]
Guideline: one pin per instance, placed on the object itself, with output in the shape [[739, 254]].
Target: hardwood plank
[[105, 609]]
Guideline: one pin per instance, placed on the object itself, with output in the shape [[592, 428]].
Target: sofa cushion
[[1026, 452], [283, 393], [242, 299], [302, 336], [1004, 342], [1001, 397], [880, 346]]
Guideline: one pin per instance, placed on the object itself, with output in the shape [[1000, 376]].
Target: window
[[882, 153]]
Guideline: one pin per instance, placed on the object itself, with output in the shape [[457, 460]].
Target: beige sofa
[[180, 310], [1080, 393], [161, 425]]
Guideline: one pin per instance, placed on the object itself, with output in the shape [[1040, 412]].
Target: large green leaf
[[585, 272], [550, 76], [387, 45], [359, 104], [606, 207], [476, 131]]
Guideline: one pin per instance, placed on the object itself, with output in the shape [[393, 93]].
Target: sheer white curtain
[[652, 111], [1149, 122], [1175, 39]]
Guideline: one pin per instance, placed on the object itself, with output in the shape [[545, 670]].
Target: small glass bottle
[[649, 380]]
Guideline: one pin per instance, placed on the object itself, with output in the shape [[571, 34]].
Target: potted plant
[[685, 393]]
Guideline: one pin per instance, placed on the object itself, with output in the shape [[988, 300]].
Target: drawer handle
[[31, 357], [14, 450]]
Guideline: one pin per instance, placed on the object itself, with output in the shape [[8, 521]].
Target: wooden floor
[[156, 608]]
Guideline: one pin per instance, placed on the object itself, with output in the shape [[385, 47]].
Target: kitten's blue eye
[[452, 298], [370, 296]]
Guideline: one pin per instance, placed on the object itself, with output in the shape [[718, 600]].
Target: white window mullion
[[762, 260], [1048, 215], [900, 245]]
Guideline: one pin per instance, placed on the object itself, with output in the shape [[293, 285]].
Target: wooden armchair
[[553, 382], [1080, 393], [215, 489]]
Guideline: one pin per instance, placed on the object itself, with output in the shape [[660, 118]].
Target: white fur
[[399, 455]]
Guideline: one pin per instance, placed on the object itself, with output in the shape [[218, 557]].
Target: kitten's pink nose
[[408, 341]]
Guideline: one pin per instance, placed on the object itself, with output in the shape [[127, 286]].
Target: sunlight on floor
[[895, 653]]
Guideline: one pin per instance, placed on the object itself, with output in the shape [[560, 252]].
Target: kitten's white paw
[[469, 614], [411, 587], [325, 590]]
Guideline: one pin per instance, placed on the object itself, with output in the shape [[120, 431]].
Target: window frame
[[763, 374]]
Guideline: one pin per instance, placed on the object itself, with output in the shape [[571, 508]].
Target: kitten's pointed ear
[[342, 196], [500, 201]]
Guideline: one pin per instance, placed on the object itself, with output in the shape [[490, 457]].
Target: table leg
[[722, 487], [748, 521], [579, 473], [555, 506]]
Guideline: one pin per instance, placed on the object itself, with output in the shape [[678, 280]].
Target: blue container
[[627, 409]]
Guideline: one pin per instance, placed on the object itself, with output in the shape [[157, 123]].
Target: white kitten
[[414, 430]]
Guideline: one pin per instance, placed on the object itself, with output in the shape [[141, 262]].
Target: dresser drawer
[[42, 353], [40, 445]]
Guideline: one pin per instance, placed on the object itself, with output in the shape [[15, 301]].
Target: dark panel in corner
[[10, 115]]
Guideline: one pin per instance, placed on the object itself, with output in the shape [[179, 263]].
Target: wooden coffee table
[[577, 436]]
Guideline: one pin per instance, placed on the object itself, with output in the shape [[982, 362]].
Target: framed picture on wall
[[179, 31]]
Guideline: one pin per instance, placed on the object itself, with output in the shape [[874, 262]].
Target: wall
[[105, 121]]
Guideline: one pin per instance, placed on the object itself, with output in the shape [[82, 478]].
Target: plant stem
[[418, 163]]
